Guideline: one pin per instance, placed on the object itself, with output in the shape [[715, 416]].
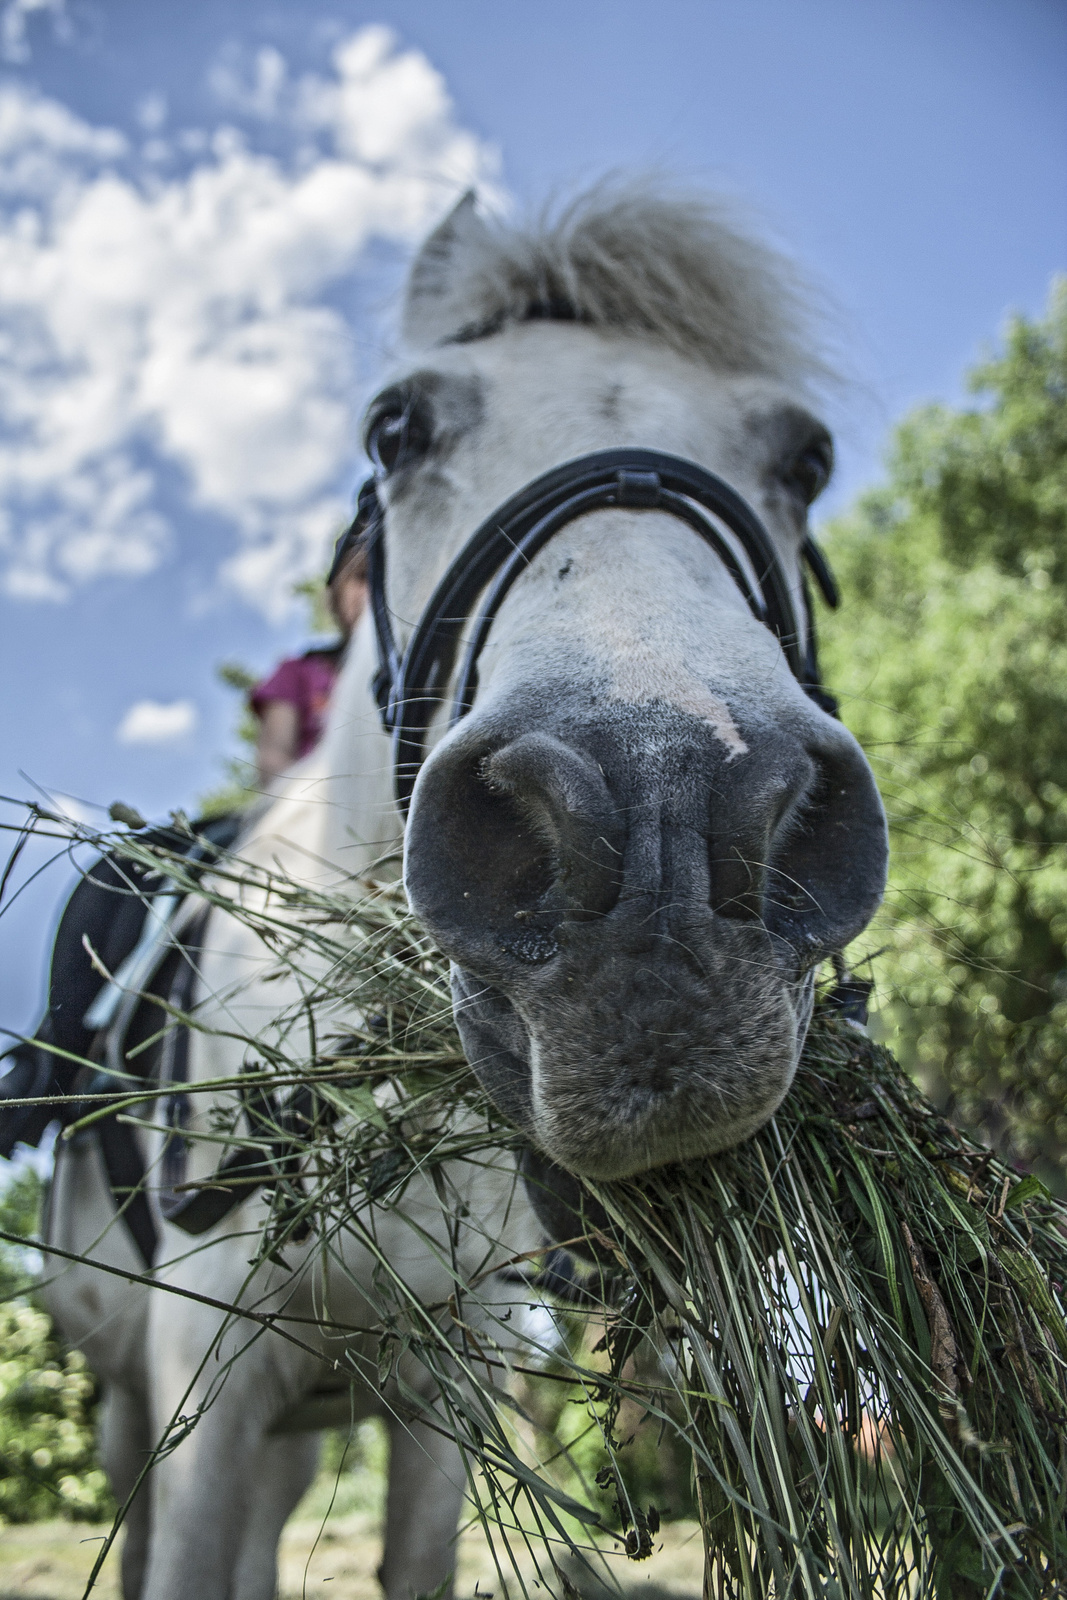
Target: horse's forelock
[[633, 257]]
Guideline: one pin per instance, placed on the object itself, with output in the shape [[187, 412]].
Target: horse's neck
[[334, 815]]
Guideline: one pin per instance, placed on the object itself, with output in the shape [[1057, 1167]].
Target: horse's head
[[644, 836]]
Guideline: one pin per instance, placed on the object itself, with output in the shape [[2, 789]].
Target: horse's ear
[[439, 284]]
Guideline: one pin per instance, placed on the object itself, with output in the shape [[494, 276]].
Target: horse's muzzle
[[634, 912]]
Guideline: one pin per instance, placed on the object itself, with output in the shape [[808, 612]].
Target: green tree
[[237, 787], [951, 658], [20, 1204], [48, 1460]]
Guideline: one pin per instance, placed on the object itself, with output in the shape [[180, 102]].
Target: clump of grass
[[868, 1313], [857, 1314]]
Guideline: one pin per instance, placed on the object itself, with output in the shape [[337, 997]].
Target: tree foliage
[[48, 1463], [951, 658], [20, 1201], [48, 1460]]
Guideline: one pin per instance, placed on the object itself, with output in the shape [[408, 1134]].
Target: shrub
[[48, 1461]]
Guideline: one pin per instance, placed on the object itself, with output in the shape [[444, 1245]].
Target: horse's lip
[[646, 1143]]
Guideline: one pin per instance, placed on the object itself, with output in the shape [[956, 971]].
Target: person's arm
[[279, 735]]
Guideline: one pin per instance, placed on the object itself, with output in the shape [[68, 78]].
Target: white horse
[[636, 847]]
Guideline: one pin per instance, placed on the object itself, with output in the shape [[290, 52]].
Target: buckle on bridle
[[637, 490]]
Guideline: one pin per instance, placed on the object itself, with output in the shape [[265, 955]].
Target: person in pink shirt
[[291, 704]]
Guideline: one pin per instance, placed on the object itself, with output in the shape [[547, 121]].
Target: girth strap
[[126, 1176]]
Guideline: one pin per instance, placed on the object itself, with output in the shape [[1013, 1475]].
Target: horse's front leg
[[229, 1384], [283, 1470], [124, 1449], [426, 1488]]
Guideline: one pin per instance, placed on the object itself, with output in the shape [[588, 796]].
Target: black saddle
[[107, 911]]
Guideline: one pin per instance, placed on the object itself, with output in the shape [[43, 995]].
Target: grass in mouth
[[857, 1316]]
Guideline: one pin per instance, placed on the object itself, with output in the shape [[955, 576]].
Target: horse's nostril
[[797, 841], [504, 844], [827, 860]]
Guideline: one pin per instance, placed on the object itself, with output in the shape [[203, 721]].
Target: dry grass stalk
[[859, 1313]]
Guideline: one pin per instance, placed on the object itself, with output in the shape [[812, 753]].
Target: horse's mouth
[[613, 1083]]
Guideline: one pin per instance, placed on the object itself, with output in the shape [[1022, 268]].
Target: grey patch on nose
[[609, 404]]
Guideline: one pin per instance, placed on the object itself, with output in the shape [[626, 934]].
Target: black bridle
[[411, 686]]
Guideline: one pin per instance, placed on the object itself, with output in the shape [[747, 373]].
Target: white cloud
[[151, 322], [14, 16], [157, 722]]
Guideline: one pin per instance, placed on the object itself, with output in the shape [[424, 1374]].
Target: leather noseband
[[411, 686]]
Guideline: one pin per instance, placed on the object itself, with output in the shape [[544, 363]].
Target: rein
[[410, 686]]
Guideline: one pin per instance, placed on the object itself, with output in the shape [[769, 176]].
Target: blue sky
[[204, 210]]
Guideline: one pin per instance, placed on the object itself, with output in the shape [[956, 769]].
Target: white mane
[[674, 266]]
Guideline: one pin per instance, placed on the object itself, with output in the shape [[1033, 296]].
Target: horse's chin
[[616, 1102], [634, 1139]]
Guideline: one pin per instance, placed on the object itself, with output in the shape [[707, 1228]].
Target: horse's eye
[[398, 431], [809, 471]]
